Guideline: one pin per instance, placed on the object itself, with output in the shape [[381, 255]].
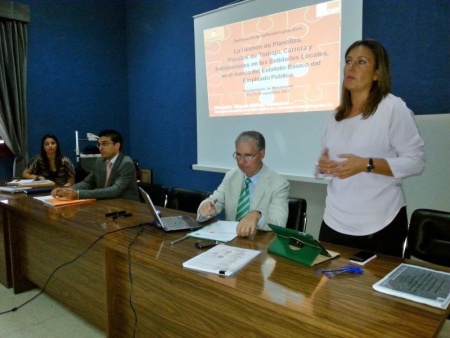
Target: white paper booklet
[[44, 199], [19, 181], [417, 283], [13, 189], [222, 260], [31, 183], [222, 231]]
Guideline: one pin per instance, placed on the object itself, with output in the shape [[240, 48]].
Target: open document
[[417, 283], [222, 260], [222, 231]]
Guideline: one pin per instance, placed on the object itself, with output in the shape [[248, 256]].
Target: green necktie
[[244, 201]]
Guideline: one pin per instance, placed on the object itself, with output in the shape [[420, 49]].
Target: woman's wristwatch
[[370, 167]]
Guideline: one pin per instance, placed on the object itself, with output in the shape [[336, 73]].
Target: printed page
[[222, 259], [222, 231]]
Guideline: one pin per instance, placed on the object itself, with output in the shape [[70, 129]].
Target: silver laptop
[[172, 223]]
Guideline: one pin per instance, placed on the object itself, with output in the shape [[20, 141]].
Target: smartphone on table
[[206, 244], [362, 257]]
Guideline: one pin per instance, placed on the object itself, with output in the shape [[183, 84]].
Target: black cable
[[131, 281], [70, 262]]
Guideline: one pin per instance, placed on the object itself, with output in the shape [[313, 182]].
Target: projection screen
[[274, 67]]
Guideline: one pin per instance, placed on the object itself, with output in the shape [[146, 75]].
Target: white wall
[[429, 190], [432, 189]]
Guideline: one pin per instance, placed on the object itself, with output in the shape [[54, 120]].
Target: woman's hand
[[325, 165], [351, 165]]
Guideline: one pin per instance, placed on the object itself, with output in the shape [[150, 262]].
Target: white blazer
[[270, 196]]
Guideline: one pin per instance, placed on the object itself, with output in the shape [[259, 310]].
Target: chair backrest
[[80, 174], [297, 214], [157, 192], [429, 236], [186, 199]]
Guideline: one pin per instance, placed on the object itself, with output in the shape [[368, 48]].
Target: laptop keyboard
[[174, 223]]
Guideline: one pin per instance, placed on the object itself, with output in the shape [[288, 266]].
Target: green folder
[[298, 246]]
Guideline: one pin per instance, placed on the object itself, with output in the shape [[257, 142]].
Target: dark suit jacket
[[121, 184]]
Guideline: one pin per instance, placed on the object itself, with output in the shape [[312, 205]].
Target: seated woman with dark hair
[[50, 164]]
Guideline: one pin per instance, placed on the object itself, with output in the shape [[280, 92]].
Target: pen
[[122, 215], [115, 213], [179, 240]]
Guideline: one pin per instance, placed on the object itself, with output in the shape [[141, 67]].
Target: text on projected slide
[[281, 63]]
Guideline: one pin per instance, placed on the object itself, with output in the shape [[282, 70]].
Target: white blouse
[[367, 202]]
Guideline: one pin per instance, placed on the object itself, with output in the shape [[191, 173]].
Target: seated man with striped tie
[[251, 194], [113, 176]]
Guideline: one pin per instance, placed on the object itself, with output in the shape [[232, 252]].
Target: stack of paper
[[19, 181], [222, 259], [13, 189], [31, 183], [37, 184]]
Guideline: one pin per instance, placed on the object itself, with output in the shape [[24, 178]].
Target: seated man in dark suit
[[113, 176], [252, 194]]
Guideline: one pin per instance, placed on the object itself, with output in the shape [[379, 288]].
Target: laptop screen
[[150, 205]]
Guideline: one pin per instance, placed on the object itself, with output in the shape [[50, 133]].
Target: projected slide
[[281, 63]]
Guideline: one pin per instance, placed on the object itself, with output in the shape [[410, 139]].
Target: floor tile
[[41, 317]]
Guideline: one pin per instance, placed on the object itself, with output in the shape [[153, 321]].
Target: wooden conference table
[[270, 297]]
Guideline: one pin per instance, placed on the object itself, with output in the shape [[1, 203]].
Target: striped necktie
[[108, 171], [244, 201]]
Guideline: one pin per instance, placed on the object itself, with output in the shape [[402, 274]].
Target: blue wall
[[77, 71], [130, 66], [162, 89], [416, 35]]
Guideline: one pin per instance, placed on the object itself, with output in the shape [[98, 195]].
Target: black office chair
[[429, 236], [80, 174], [157, 192], [186, 199], [297, 214]]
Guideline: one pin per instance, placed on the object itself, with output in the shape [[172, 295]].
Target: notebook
[[172, 223], [61, 201], [38, 190], [12, 190]]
